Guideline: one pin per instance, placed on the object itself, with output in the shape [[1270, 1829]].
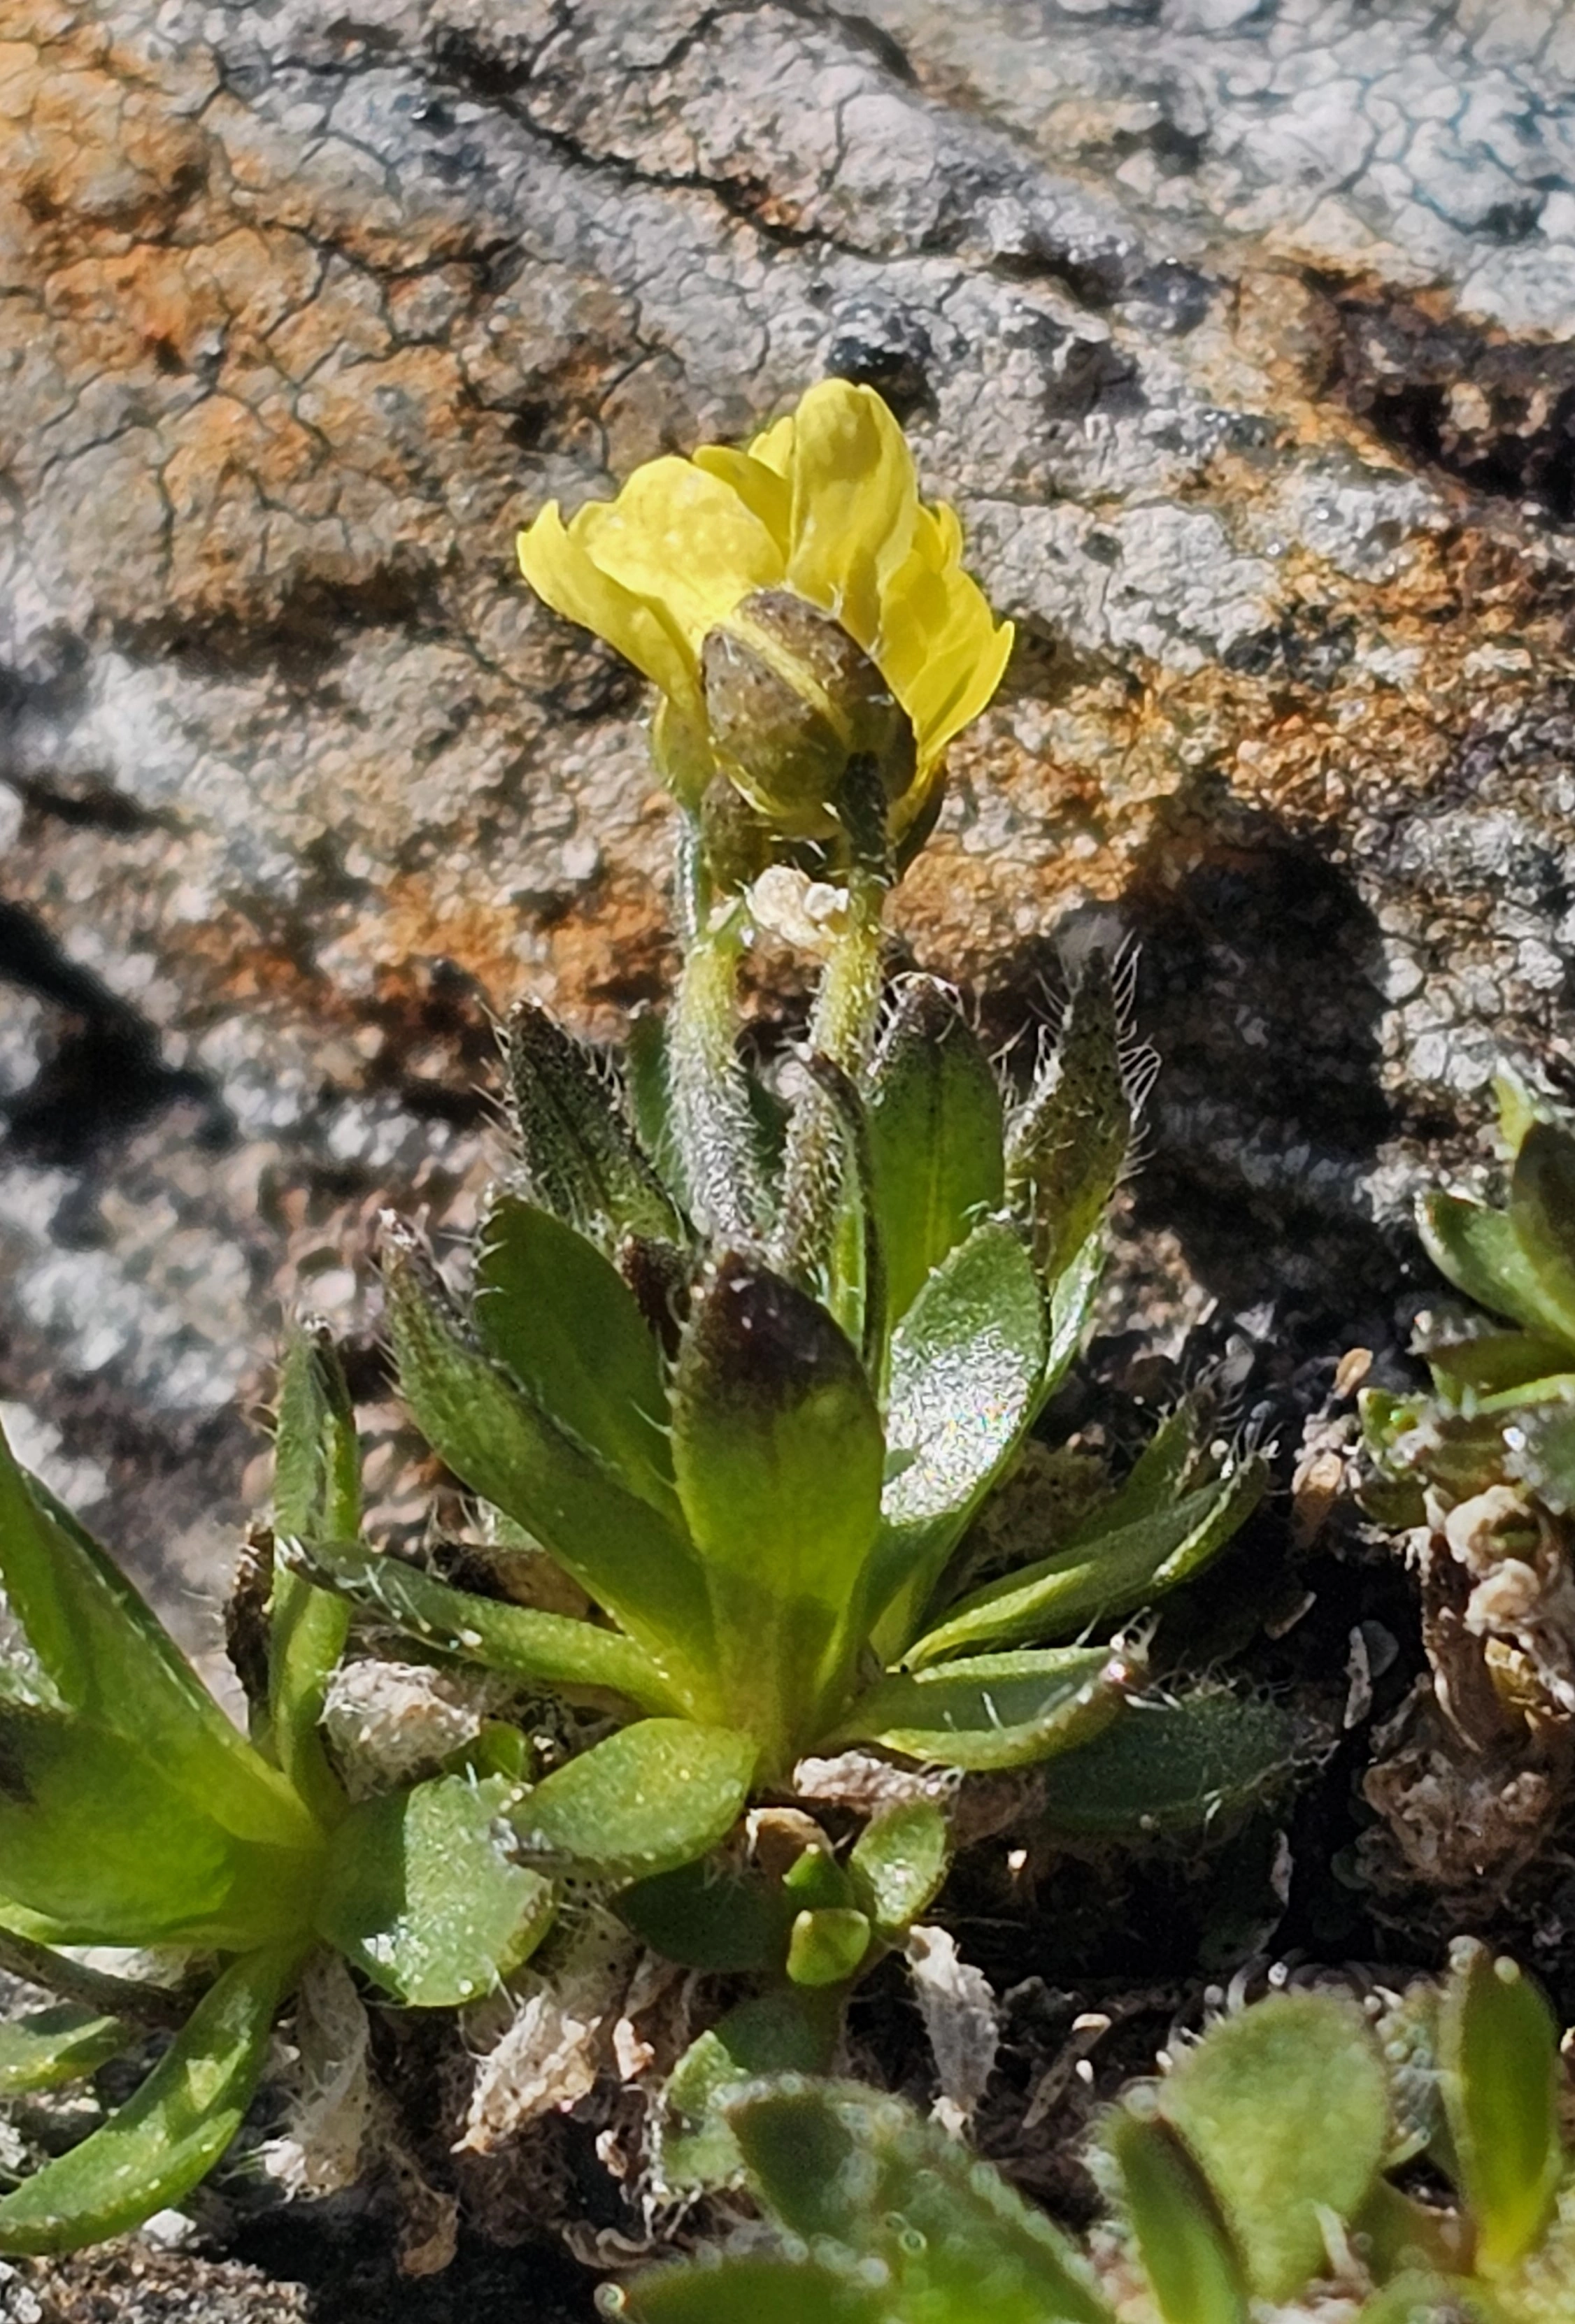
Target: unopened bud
[[791, 699]]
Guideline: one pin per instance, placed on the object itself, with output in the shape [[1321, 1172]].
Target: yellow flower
[[824, 506]]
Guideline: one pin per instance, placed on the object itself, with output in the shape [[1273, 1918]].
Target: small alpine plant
[[739, 1360]]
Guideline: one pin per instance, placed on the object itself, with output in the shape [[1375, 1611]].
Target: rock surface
[[1239, 329]]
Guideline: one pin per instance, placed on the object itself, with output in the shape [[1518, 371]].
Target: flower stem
[[841, 1028], [713, 1121]]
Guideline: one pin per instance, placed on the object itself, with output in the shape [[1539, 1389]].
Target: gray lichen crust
[[1235, 332]]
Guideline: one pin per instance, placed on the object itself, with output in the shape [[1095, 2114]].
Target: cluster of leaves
[[1502, 1411], [759, 1483], [1268, 2167]]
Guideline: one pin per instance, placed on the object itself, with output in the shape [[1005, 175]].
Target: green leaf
[[1066, 1147], [1542, 1212], [1100, 1576], [581, 1161], [1541, 1444], [59, 2044], [826, 1946], [171, 2132], [632, 1559], [995, 1711], [317, 1489], [968, 1362], [1482, 1255], [1184, 1765], [949, 2237], [792, 2031], [779, 1452], [1192, 2265], [131, 1811], [1492, 1362], [763, 2287], [1499, 2057], [423, 1897], [654, 1796], [898, 1865], [1285, 2108], [712, 1915], [106, 1655], [1421, 2297], [936, 1132], [553, 1648], [562, 1320]]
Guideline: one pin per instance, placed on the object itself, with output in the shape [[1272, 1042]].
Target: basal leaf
[[967, 1361], [562, 1320], [1100, 1576], [778, 1450], [945, 2234], [171, 2132], [654, 1796], [581, 1160], [422, 1893], [793, 2030], [47, 2047], [1184, 1765], [1480, 1252], [1499, 2063], [935, 1130], [1542, 1212], [632, 1559], [712, 1915], [1188, 2256], [108, 1657], [1285, 2108], [554, 1648], [995, 1710], [1539, 1441], [898, 1864], [317, 1490]]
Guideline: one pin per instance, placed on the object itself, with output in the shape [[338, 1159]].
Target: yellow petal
[[853, 502], [955, 689], [925, 604], [763, 489], [683, 541], [554, 560], [774, 447]]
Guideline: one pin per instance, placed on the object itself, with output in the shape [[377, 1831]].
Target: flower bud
[[791, 699]]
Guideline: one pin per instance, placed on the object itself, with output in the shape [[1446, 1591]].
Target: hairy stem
[[712, 1117]]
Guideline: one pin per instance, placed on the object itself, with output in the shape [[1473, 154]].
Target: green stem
[[842, 1029], [713, 1120]]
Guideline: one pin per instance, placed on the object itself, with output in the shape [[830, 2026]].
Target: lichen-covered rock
[[1239, 333]]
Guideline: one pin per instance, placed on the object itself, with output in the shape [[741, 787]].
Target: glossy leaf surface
[[47, 2047], [993, 1710], [131, 1812], [967, 1365], [654, 1796], [556, 1648], [793, 2030], [634, 1561], [560, 1319], [1101, 1575], [1542, 1212], [171, 2133], [423, 1897], [1479, 1251], [778, 1450], [712, 1916], [898, 1864]]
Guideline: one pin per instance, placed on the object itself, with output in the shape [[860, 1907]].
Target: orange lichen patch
[[91, 136], [615, 950]]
